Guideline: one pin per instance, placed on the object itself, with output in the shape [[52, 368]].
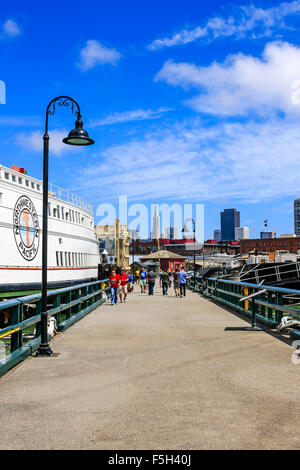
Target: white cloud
[[94, 53], [249, 19], [242, 84], [33, 141], [16, 121], [246, 162], [11, 28], [127, 116]]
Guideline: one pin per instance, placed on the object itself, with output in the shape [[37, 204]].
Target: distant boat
[[73, 253]]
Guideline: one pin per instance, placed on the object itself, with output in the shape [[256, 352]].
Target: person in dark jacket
[[165, 282], [151, 281], [176, 282]]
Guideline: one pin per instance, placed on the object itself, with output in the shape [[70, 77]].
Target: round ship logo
[[26, 228]]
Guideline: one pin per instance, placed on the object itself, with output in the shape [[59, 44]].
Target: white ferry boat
[[73, 253]]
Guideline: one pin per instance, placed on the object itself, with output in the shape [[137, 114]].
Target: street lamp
[[77, 136], [194, 231]]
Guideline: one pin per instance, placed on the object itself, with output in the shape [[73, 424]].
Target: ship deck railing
[[68, 196], [22, 335]]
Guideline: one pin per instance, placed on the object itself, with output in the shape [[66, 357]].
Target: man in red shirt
[[114, 282], [123, 286]]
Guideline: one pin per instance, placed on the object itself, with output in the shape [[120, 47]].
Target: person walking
[[159, 276], [114, 282], [170, 277], [143, 281], [165, 282], [176, 282], [130, 282], [137, 276], [182, 281], [151, 281], [123, 285]]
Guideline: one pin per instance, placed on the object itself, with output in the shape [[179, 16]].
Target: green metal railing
[[268, 307], [21, 337]]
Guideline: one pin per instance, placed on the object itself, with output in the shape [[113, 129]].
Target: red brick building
[[181, 247], [167, 259], [270, 245]]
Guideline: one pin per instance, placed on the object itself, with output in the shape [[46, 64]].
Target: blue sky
[[186, 101]]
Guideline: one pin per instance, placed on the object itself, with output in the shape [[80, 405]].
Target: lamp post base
[[44, 350]]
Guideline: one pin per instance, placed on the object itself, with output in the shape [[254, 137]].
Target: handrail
[[267, 306], [248, 284], [66, 305]]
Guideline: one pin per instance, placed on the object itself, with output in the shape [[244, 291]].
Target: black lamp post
[[194, 232], [77, 136]]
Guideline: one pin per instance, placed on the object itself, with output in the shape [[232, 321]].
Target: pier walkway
[[155, 373]]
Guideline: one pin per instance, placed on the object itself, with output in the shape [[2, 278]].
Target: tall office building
[[155, 234], [297, 216], [241, 233], [171, 233], [267, 235], [217, 235], [230, 219]]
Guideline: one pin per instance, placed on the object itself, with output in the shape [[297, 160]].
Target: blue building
[[230, 219]]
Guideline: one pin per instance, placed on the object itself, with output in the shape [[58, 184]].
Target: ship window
[[13, 178], [6, 176], [62, 213], [66, 258], [67, 215], [32, 184], [20, 180], [58, 215], [69, 257], [38, 187], [61, 258], [27, 183], [54, 212], [57, 258], [73, 259]]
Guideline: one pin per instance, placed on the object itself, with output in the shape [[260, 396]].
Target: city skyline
[[183, 100]]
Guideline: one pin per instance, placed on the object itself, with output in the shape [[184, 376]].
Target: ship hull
[[73, 253]]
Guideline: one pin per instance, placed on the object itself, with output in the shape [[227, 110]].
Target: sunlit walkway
[[155, 373]]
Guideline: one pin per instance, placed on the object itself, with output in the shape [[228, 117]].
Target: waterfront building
[[270, 245], [166, 259], [115, 239]]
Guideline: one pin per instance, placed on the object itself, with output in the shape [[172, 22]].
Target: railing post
[[68, 300], [270, 309], [279, 301], [56, 303], [16, 340], [38, 312]]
